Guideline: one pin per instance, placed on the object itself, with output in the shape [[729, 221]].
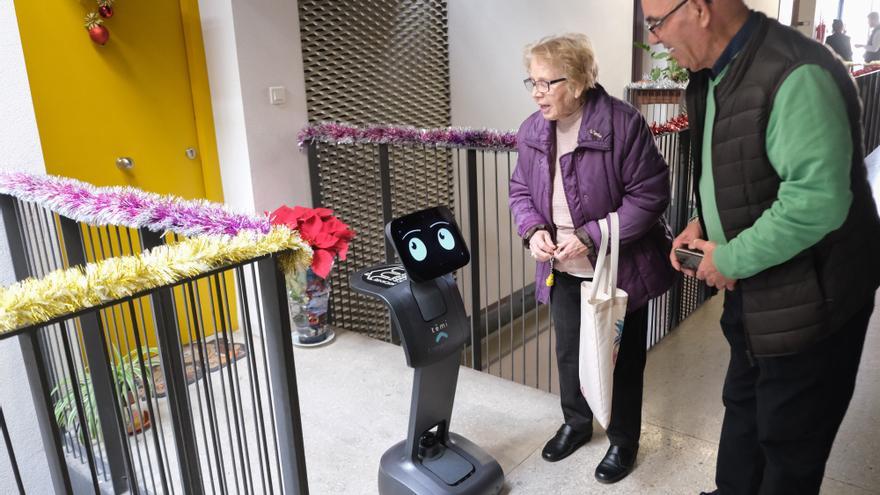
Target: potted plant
[[308, 290], [671, 71], [127, 377], [66, 415]]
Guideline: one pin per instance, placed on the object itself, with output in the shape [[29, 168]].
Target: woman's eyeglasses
[[541, 86]]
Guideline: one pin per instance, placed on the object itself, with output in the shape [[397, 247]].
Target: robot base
[[399, 474]]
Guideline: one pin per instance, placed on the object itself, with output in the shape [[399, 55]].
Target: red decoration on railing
[[866, 70], [674, 124]]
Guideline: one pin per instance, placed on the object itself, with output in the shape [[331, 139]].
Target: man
[[787, 226], [839, 41], [872, 49]]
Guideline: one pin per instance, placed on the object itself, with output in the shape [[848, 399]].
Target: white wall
[[486, 39], [218, 33], [19, 149], [270, 54], [251, 45], [769, 7], [806, 17], [785, 11]]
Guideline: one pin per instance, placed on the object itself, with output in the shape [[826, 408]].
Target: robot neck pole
[[432, 397]]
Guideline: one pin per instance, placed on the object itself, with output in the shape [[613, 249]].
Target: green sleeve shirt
[[810, 146]]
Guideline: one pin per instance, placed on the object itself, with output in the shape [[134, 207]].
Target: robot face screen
[[428, 243]]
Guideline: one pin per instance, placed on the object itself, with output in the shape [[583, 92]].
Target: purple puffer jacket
[[615, 167]]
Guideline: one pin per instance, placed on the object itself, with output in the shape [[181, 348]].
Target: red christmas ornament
[[105, 8], [97, 32]]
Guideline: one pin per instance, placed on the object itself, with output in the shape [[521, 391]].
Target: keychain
[[550, 279]]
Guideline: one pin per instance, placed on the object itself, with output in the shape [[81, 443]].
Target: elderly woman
[[583, 155]]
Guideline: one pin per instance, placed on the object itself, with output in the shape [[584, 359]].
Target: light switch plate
[[277, 95]]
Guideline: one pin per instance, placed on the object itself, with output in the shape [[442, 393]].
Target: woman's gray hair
[[572, 53]]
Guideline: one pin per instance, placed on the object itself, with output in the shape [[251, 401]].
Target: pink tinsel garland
[[450, 137], [128, 207]]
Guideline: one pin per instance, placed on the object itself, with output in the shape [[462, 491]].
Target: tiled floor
[[355, 402]]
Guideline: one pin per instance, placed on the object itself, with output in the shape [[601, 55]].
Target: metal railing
[[134, 396], [510, 336], [657, 103], [10, 452]]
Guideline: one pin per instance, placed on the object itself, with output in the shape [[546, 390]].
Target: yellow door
[[143, 96], [131, 98]]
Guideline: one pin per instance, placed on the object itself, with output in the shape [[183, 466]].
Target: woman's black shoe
[[618, 463], [566, 441]]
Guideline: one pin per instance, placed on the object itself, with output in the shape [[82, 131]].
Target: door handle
[[124, 163]]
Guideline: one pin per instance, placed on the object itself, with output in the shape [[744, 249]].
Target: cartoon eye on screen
[[428, 243]]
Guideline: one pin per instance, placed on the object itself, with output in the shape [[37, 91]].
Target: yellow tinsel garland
[[61, 292]]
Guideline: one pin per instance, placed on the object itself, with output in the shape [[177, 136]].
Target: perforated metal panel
[[375, 62], [350, 185]]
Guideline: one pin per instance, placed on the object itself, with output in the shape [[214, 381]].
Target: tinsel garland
[[647, 83], [61, 292], [128, 207], [451, 137]]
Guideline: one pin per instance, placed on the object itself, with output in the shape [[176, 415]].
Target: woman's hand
[[541, 246], [571, 248], [692, 232]]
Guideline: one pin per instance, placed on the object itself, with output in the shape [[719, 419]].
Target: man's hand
[[541, 246], [571, 248], [707, 270], [692, 232]]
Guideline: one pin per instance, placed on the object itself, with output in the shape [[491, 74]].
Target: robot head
[[428, 243]]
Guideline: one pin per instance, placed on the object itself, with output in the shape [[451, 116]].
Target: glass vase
[[308, 297]]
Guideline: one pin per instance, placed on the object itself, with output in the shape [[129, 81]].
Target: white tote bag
[[603, 308]]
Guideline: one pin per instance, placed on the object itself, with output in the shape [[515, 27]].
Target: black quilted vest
[[792, 306]]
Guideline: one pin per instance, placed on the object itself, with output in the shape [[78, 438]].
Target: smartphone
[[689, 258]]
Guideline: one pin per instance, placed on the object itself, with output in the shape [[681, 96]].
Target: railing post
[[168, 337], [13, 462], [32, 354], [684, 192], [474, 227], [111, 424], [387, 214], [314, 173], [282, 375], [385, 184]]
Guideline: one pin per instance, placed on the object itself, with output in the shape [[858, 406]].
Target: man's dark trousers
[[782, 413]]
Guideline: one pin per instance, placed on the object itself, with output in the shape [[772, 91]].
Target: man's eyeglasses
[[541, 86], [652, 26]]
